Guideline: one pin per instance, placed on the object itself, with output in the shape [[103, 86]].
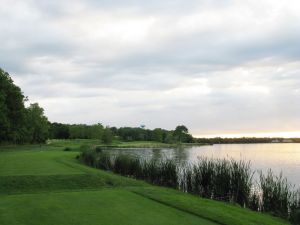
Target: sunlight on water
[[278, 157]]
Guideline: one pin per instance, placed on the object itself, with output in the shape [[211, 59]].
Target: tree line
[[19, 124], [245, 140], [179, 135], [107, 134]]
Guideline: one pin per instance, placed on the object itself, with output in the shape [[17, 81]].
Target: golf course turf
[[47, 185]]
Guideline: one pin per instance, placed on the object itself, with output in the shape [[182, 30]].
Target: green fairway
[[94, 207], [35, 163], [47, 185]]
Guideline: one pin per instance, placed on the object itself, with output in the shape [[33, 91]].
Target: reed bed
[[294, 214], [225, 180], [219, 179], [276, 193]]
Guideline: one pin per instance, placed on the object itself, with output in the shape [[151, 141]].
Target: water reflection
[[278, 157], [157, 154]]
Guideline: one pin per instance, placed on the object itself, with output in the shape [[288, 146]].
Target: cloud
[[218, 67]]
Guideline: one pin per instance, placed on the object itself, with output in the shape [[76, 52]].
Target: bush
[[85, 148], [98, 149], [67, 149]]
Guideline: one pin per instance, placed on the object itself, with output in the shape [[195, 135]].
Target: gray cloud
[[230, 67]]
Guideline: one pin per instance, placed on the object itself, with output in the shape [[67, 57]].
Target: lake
[[278, 157]]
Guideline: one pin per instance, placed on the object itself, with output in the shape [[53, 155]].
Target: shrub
[[98, 149], [103, 161], [84, 148], [67, 149]]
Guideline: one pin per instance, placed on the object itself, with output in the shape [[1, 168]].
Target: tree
[[4, 122], [12, 110], [169, 138], [107, 136], [37, 124], [96, 131], [59, 131], [181, 133], [157, 135]]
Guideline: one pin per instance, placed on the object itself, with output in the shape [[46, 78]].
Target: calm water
[[278, 157]]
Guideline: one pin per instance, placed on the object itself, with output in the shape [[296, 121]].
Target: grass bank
[[47, 185]]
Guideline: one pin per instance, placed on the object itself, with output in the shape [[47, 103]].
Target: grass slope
[[48, 186], [219, 212]]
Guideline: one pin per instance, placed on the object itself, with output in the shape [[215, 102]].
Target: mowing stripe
[[178, 208]]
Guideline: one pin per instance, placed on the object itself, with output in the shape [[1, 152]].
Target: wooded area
[[19, 124]]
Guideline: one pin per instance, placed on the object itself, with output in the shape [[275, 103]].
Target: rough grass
[[51, 187]]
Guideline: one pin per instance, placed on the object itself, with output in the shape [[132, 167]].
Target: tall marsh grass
[[225, 180], [219, 179]]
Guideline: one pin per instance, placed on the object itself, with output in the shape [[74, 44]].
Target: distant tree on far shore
[[181, 134], [107, 136]]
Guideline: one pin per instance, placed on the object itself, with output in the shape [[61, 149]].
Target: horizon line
[[289, 134]]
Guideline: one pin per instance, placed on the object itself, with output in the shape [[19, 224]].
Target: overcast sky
[[219, 67]]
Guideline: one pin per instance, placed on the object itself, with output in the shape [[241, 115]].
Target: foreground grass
[[47, 185], [219, 212], [96, 207]]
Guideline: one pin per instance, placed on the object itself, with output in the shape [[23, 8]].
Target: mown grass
[[67, 192], [36, 162], [37, 171], [220, 212], [107, 207], [73, 144]]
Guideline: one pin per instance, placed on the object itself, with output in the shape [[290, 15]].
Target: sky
[[222, 68]]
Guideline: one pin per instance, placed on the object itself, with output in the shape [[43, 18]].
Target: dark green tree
[[37, 124], [12, 110], [96, 131], [181, 133], [59, 131], [107, 136], [157, 135]]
